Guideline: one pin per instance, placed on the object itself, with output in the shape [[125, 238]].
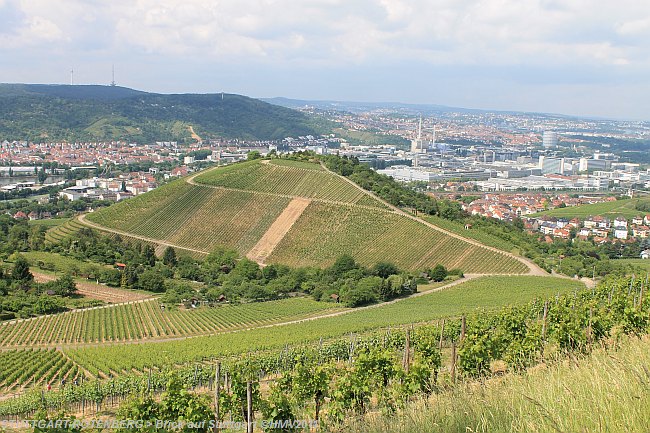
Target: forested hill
[[74, 113]]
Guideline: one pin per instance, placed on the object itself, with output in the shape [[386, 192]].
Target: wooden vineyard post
[[589, 330], [463, 328], [249, 407], [641, 291], [217, 395], [442, 331], [453, 362], [407, 351], [353, 340], [544, 317]]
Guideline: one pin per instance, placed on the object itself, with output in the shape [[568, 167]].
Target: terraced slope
[[145, 320], [57, 233], [241, 205]]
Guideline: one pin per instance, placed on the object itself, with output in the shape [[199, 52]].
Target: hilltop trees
[[390, 190]]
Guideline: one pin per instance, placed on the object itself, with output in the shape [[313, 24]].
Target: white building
[[404, 173], [551, 165], [550, 139], [620, 233]]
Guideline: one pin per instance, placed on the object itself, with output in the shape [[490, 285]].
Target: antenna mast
[[113, 75], [72, 77]]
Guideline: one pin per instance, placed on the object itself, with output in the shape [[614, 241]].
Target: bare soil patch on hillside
[[280, 227]]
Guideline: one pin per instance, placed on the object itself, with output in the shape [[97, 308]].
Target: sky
[[577, 57]]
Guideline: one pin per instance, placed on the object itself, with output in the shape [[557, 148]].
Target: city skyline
[[578, 58]]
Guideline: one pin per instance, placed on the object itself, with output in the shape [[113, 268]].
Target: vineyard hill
[[292, 213]]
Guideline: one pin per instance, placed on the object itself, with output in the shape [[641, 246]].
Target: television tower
[[113, 75], [72, 77]]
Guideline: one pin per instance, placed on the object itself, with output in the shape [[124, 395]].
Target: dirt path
[[194, 135], [276, 232], [533, 269], [98, 291]]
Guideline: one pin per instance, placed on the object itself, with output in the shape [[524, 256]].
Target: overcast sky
[[583, 57]]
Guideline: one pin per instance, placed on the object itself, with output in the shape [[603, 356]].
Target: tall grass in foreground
[[608, 391]]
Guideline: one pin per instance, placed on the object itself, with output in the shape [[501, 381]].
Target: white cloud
[[444, 31], [344, 36]]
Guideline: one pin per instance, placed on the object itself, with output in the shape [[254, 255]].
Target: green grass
[[326, 231], [145, 320], [31, 198], [624, 208], [606, 391], [60, 263], [486, 292]]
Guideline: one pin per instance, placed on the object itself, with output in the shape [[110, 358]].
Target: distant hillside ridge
[[39, 112]]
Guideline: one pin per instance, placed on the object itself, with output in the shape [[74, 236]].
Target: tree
[[129, 278], [438, 273], [152, 281], [223, 257], [247, 269], [366, 291], [252, 155], [384, 269], [42, 176], [20, 273], [64, 286], [149, 255], [342, 265], [169, 257]]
